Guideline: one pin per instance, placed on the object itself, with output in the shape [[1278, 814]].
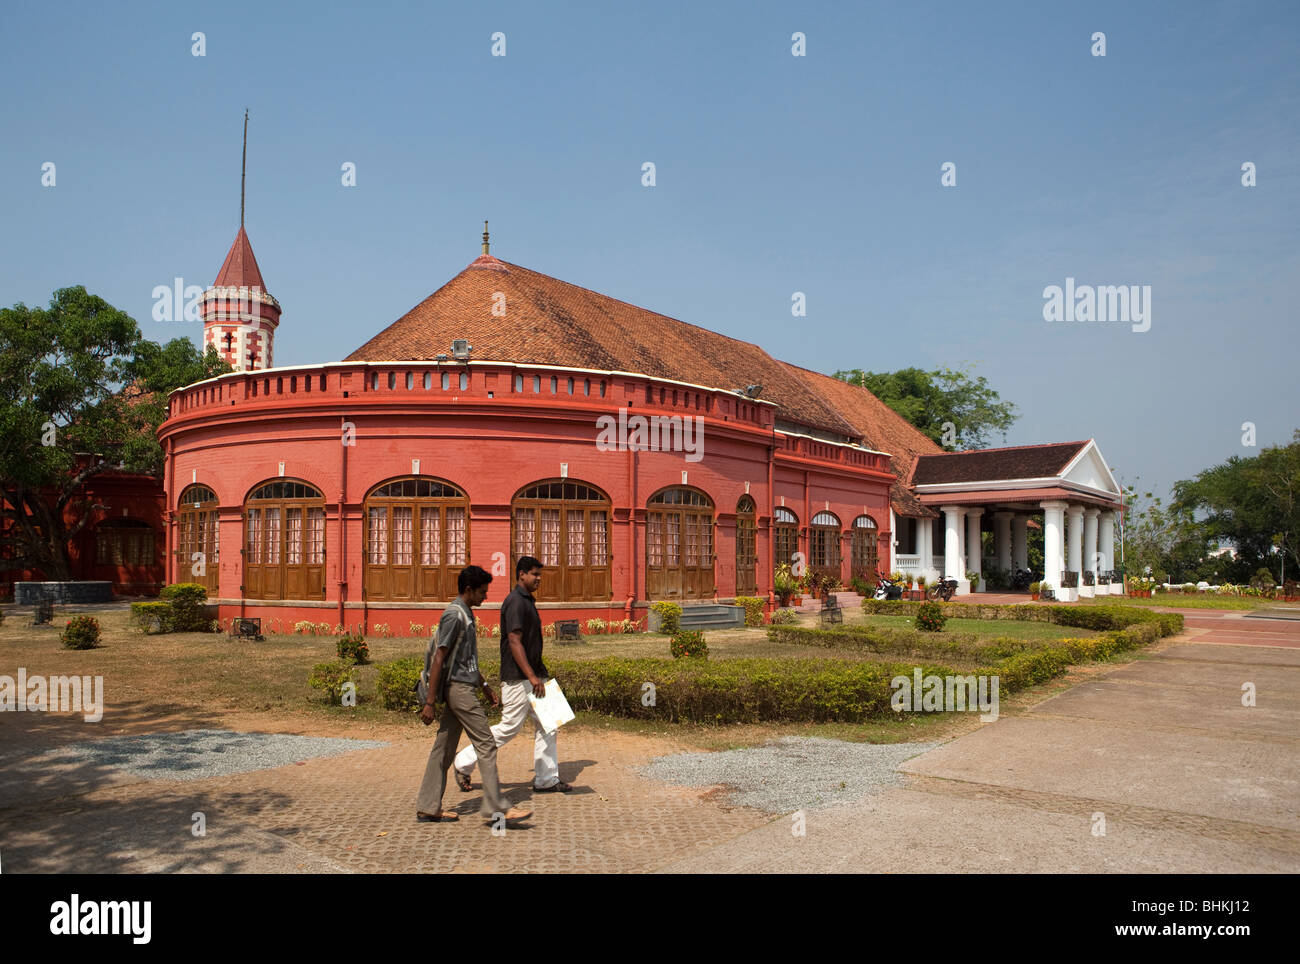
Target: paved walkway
[[1185, 778], [1160, 753]]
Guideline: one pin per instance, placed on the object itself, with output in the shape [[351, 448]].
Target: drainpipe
[[771, 521], [343, 529], [633, 567]]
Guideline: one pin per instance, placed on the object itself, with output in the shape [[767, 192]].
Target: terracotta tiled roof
[[992, 465], [551, 322], [240, 270], [881, 428]]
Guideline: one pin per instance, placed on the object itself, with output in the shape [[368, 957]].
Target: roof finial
[[243, 167], [485, 238]]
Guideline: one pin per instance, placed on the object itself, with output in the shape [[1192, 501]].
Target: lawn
[[989, 628]]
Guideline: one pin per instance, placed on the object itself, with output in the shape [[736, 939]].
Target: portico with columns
[[1064, 488]]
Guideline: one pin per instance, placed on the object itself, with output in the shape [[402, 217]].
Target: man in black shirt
[[522, 673]]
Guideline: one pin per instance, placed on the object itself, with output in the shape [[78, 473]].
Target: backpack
[[422, 685]]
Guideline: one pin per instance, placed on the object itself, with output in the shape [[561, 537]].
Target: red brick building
[[638, 456]]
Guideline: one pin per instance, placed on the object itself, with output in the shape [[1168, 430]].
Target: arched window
[[866, 555], [785, 533], [679, 544], [284, 541], [198, 547], [824, 543], [124, 542], [746, 551], [417, 540], [565, 524]]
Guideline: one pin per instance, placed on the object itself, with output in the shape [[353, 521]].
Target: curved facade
[[356, 491]]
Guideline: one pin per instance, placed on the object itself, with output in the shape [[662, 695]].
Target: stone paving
[[1187, 779]]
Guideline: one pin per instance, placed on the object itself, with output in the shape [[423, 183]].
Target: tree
[[1166, 539], [953, 408], [81, 392], [1253, 503]]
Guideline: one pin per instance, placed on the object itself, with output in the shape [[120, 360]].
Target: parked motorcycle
[[888, 589], [943, 589]]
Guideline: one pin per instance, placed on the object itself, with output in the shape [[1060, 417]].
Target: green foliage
[[81, 632], [670, 615], [153, 617], [1252, 504], [688, 643], [188, 601], [81, 367], [784, 581], [352, 648], [930, 617], [1262, 580], [930, 399], [596, 626], [782, 616], [860, 586], [1100, 617], [753, 609], [331, 677], [996, 577], [395, 683]]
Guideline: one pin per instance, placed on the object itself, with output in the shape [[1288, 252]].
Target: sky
[[773, 174]]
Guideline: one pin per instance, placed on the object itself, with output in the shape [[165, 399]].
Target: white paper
[[553, 709]]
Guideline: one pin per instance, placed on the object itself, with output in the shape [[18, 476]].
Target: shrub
[[670, 616], [595, 626], [548, 632], [930, 617], [395, 683], [690, 643], [81, 632], [353, 648], [188, 601], [861, 586], [382, 630], [305, 626], [495, 630], [152, 617], [417, 629], [331, 678], [753, 609], [784, 616]]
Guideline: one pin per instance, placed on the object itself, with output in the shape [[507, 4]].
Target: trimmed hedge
[[153, 617], [1080, 617], [802, 690], [395, 683], [753, 609], [188, 601]]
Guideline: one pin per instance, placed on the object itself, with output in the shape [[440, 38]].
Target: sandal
[[462, 781]]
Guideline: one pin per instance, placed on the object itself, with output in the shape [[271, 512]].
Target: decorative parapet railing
[[809, 448], [907, 563]]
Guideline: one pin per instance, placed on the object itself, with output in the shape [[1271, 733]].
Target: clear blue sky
[[775, 174]]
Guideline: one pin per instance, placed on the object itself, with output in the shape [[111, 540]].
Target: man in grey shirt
[[462, 709]]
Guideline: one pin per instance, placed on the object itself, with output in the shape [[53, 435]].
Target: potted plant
[[974, 579], [784, 584], [1034, 588], [920, 587]]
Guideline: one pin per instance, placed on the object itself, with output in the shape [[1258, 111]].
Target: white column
[[1053, 543], [974, 550], [923, 546], [1091, 560], [952, 543], [1002, 539], [1106, 539], [1020, 540], [1074, 543]]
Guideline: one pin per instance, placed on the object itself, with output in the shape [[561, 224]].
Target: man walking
[[522, 673], [456, 636]]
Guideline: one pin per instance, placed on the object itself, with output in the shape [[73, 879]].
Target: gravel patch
[[794, 773], [199, 754]]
